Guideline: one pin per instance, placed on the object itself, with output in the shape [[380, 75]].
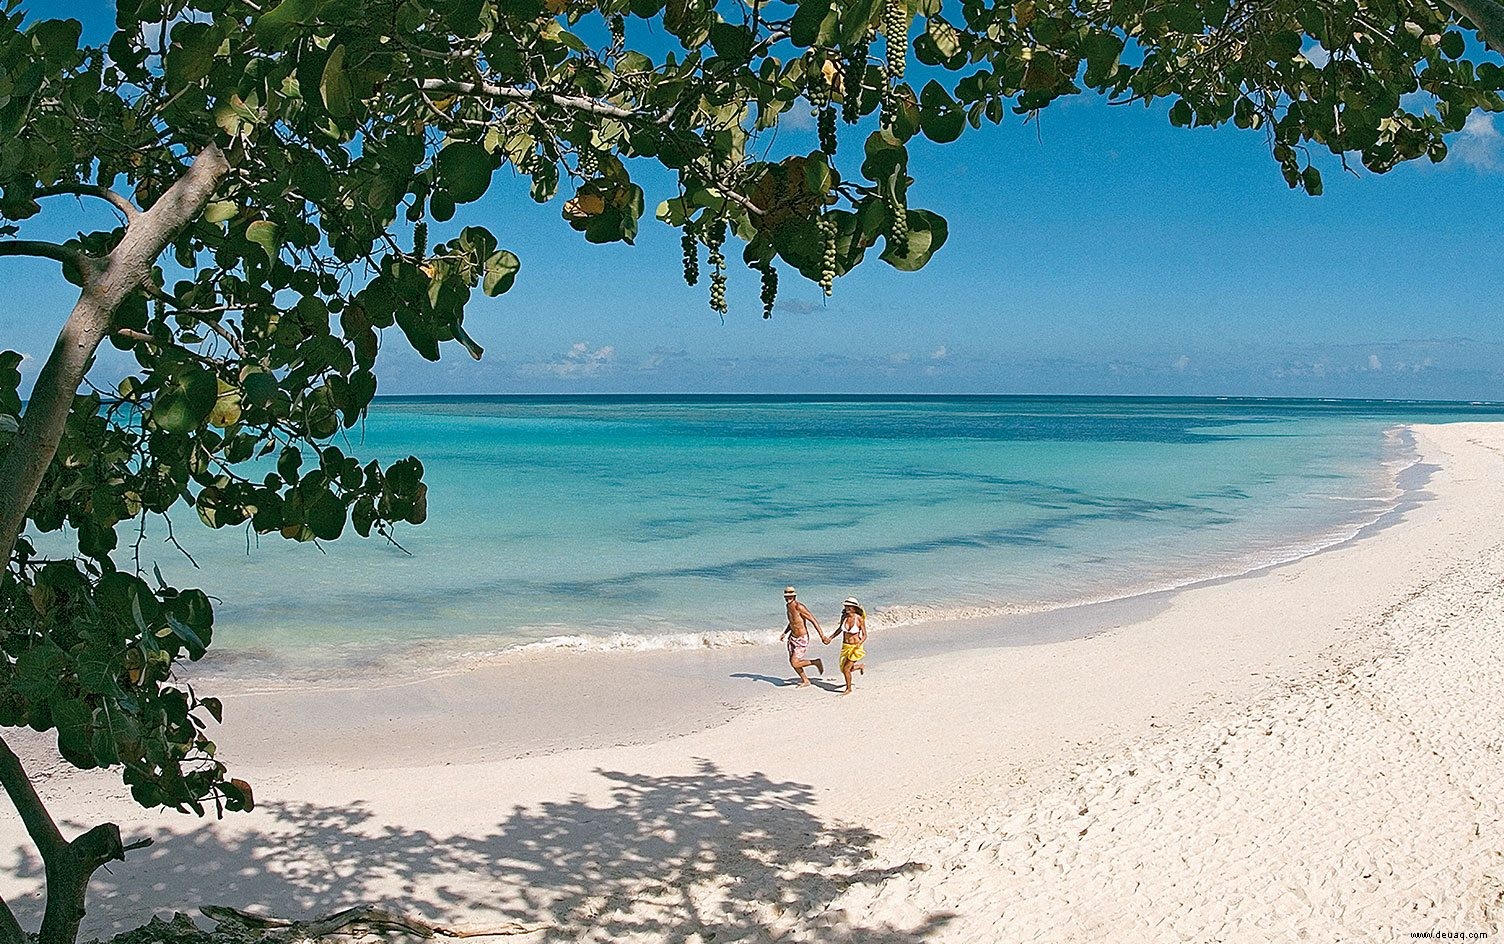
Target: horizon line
[[938, 396]]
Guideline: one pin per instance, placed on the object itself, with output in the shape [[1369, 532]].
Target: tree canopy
[[275, 172]]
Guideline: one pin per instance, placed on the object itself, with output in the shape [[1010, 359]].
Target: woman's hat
[[851, 602]]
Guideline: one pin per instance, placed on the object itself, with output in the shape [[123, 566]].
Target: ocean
[[633, 522]]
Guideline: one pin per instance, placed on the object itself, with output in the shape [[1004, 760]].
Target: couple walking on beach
[[853, 630]]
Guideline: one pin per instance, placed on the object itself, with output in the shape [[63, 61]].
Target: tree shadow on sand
[[705, 857]]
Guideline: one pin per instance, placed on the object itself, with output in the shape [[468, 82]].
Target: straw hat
[[851, 602], [789, 592]]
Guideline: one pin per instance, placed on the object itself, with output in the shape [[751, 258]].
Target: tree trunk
[[10, 928], [107, 283], [1487, 16], [68, 865], [68, 881]]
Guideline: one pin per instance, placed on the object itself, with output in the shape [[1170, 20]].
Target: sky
[[1096, 251]]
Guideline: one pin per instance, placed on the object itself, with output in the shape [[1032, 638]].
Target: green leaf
[[855, 18], [220, 210], [927, 233], [465, 170], [72, 717], [1102, 52], [805, 28], [264, 234], [467, 342], [325, 516], [943, 35], [39, 671], [191, 55], [183, 631], [276, 24], [339, 95], [940, 118], [501, 272], [185, 400], [56, 37], [99, 671]]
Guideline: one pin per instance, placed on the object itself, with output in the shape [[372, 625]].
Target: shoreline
[[1310, 749], [660, 694], [1403, 473]]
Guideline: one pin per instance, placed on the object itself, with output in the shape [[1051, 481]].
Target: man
[[798, 634]]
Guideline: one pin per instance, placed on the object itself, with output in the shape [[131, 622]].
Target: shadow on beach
[[788, 682], [705, 857]]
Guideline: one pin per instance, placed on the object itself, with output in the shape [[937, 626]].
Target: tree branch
[[131, 334], [487, 90], [38, 822], [1487, 16], [86, 190], [43, 250], [123, 271], [153, 291]]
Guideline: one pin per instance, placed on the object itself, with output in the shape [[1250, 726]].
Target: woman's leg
[[846, 673]]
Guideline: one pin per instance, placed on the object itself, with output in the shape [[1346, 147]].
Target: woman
[[853, 628]]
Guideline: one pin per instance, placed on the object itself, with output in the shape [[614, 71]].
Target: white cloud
[[660, 356], [939, 354], [1374, 363], [798, 117], [1480, 144], [902, 357], [579, 361], [1182, 362]]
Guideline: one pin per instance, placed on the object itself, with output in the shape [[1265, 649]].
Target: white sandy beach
[[1311, 752]]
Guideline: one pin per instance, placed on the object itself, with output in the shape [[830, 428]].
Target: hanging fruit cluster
[[828, 255], [818, 86], [896, 29], [691, 248], [855, 73], [589, 164], [827, 126], [420, 239], [769, 289], [715, 239], [898, 222]]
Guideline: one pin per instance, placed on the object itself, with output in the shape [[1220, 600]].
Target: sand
[[1310, 752]]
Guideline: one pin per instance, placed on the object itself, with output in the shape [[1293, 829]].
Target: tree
[[273, 169]]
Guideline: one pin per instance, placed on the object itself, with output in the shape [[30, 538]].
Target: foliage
[[340, 131]]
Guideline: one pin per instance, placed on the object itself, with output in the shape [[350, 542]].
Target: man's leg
[[817, 663]]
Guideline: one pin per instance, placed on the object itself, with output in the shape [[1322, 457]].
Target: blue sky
[[1100, 251]]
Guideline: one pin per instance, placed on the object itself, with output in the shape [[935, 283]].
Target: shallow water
[[661, 521]]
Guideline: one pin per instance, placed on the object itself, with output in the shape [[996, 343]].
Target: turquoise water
[[658, 521]]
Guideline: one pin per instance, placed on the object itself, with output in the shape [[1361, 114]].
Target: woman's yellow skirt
[[852, 652]]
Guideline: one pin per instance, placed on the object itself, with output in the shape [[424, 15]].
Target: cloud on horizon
[[579, 361]]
